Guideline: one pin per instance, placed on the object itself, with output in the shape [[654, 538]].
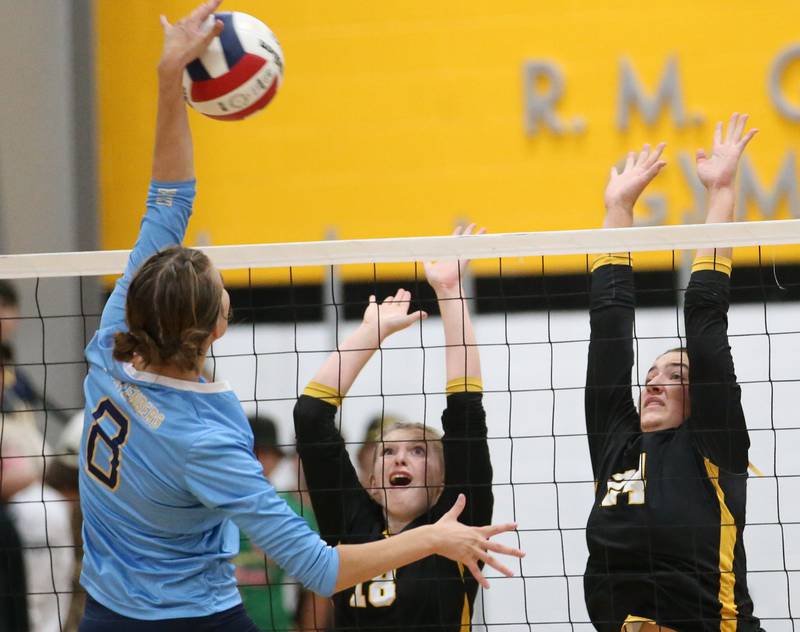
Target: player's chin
[[406, 499], [399, 491], [654, 420], [651, 421]]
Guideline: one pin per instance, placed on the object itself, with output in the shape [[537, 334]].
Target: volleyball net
[[529, 297]]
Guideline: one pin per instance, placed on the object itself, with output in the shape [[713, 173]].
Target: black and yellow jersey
[[433, 594], [665, 534]]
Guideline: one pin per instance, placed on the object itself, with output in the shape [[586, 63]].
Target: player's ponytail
[[172, 308]]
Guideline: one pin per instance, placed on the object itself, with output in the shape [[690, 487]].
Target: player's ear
[[373, 490], [219, 330]]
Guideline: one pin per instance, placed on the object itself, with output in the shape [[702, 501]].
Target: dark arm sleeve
[[716, 421], [336, 493], [467, 466], [608, 401]]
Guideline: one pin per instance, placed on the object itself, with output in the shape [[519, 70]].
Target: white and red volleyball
[[239, 73]]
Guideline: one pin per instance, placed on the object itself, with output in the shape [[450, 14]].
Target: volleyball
[[239, 73]]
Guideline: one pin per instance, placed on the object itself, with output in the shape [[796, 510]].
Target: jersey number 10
[[381, 592]]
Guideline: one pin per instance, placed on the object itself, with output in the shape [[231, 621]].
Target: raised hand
[[392, 315], [718, 171], [446, 276], [625, 187], [189, 37], [470, 545]]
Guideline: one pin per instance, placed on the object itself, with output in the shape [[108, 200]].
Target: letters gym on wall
[[544, 84]]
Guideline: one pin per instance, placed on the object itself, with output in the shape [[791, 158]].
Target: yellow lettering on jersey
[[381, 592], [630, 482], [143, 406]]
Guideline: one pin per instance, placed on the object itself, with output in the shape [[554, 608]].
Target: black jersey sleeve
[[467, 465], [337, 496], [608, 400], [717, 420]]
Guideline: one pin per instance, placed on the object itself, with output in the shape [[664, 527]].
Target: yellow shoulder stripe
[[324, 392], [713, 262], [465, 385], [612, 258]]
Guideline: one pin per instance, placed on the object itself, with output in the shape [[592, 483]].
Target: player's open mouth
[[652, 401], [400, 480]]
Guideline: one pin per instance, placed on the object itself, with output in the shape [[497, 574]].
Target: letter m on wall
[[631, 94]]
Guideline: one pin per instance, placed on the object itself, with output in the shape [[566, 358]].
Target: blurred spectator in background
[[41, 516], [18, 387], [17, 384], [16, 473], [62, 476], [366, 451], [271, 599]]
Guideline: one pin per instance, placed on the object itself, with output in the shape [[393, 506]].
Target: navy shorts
[[98, 618]]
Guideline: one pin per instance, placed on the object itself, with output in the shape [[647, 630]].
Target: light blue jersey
[[168, 472]]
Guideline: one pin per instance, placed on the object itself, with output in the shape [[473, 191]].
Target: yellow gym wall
[[400, 118]]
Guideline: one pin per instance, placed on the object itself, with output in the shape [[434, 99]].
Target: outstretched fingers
[[476, 573], [740, 125], [629, 161], [718, 134], [735, 133], [216, 29], [747, 138], [641, 159], [503, 549], [469, 230], [201, 13], [402, 296], [700, 156], [731, 130], [413, 317], [492, 530], [496, 565], [653, 156], [654, 169], [455, 511]]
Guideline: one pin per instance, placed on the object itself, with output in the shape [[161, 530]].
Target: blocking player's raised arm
[[380, 321], [467, 463], [718, 171], [717, 421], [462, 357], [332, 480], [608, 402]]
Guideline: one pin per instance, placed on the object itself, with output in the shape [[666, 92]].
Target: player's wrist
[[170, 69], [718, 193], [721, 204], [431, 538], [618, 216], [449, 292], [370, 335]]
